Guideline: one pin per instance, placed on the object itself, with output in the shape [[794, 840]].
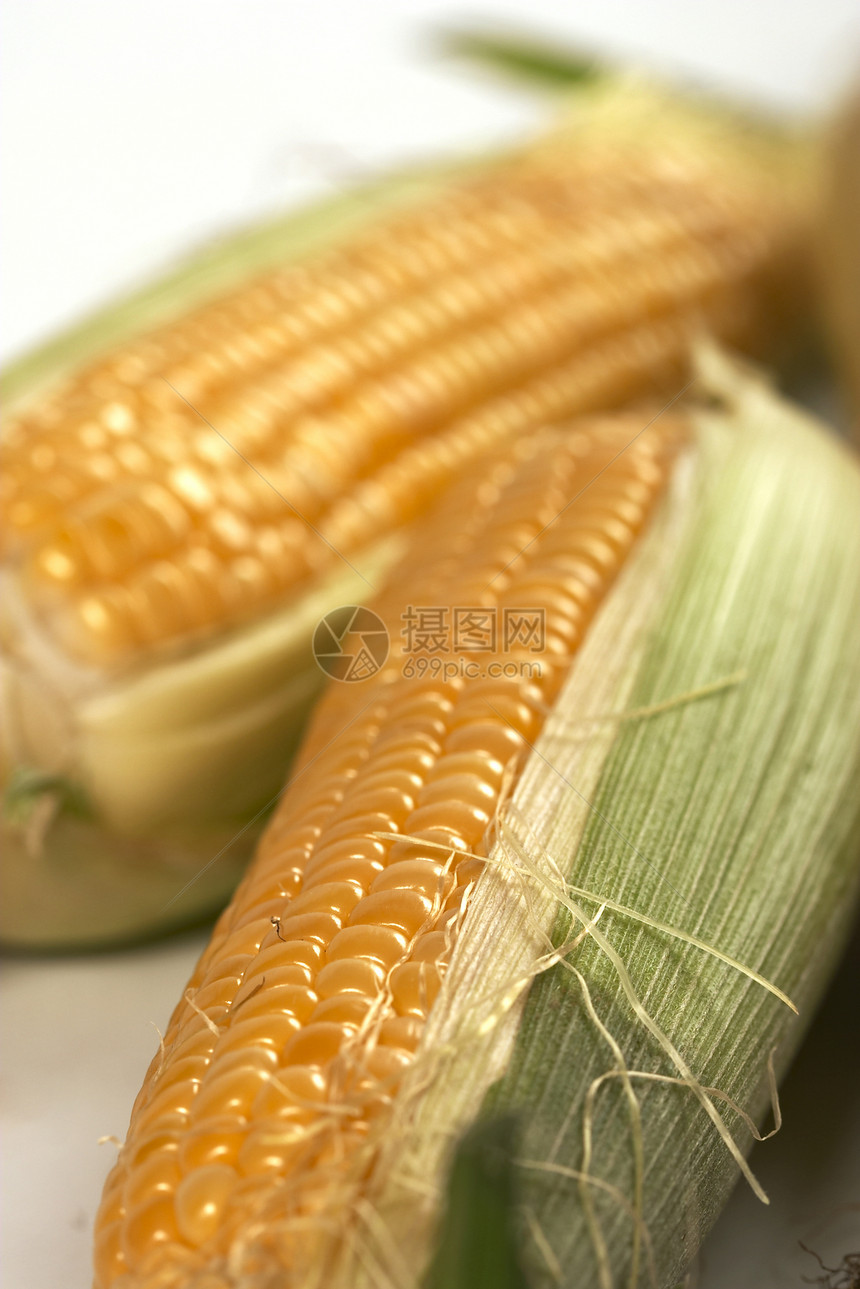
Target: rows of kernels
[[326, 414], [273, 315], [318, 1014], [467, 227], [121, 616]]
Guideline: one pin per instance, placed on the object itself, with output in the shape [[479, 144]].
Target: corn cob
[[512, 879], [178, 511]]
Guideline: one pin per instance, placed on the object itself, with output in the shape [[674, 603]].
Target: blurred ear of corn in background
[[577, 891], [185, 493], [839, 247]]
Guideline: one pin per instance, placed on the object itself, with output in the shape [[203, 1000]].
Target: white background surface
[[131, 131]]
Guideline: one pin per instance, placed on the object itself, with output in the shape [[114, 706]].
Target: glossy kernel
[[201, 1197], [380, 944]]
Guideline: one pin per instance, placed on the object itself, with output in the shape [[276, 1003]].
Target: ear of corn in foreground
[[584, 884], [178, 511]]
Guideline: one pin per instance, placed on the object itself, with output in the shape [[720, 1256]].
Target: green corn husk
[[674, 875], [131, 802]]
